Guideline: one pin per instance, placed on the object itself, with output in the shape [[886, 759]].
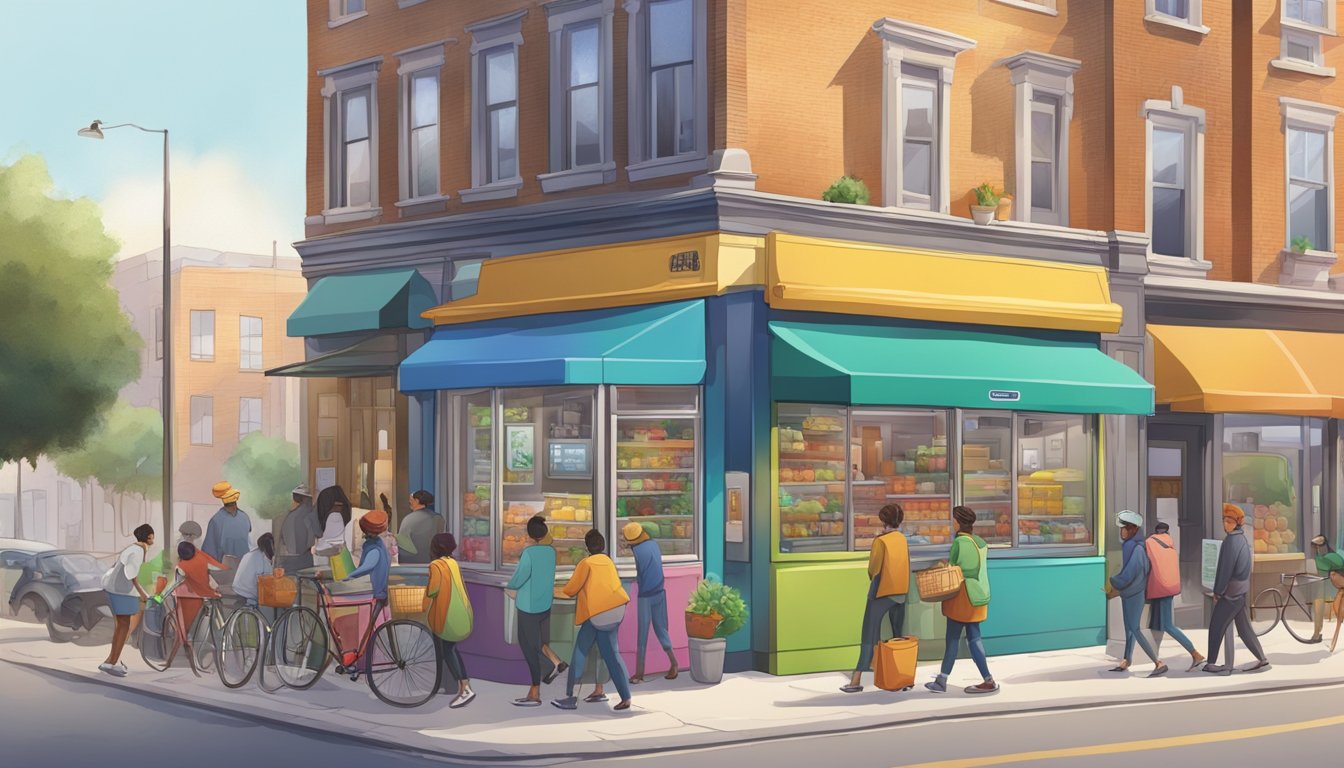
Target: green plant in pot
[[847, 189], [1302, 244], [714, 612], [987, 202]]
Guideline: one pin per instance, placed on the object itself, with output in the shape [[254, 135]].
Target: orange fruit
[[1271, 523]]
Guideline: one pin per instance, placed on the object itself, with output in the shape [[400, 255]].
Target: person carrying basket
[[969, 606]]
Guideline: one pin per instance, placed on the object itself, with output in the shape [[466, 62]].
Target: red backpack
[[1164, 573]]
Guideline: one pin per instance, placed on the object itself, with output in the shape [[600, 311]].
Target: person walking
[[445, 586], [1231, 585], [420, 527], [533, 588], [601, 607], [229, 531], [888, 584], [1164, 583], [1131, 586], [970, 606], [299, 531], [1329, 564], [125, 596], [652, 605], [333, 516], [255, 564]]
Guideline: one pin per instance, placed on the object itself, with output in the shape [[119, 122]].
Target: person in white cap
[[299, 530], [1131, 584]]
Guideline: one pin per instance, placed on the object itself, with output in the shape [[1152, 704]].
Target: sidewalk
[[683, 714]]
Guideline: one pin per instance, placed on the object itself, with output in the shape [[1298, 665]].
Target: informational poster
[[325, 477], [1208, 570]]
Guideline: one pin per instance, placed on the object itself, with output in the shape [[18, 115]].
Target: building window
[[1302, 25], [328, 424], [249, 343], [1318, 14], [158, 333], [494, 114], [351, 96], [668, 91], [1043, 97], [1175, 173], [202, 420], [1309, 136], [915, 129], [1040, 6], [249, 416], [1183, 14], [202, 334], [419, 121], [580, 142], [345, 11]]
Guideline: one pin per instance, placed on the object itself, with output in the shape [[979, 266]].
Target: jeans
[[1227, 611], [451, 659], [534, 631], [1160, 608], [1132, 609], [973, 640], [652, 609], [606, 645], [877, 608]]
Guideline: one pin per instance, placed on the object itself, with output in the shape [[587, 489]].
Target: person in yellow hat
[[652, 597], [229, 532], [1231, 585]]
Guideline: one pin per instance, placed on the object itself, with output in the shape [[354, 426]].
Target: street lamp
[[95, 131]]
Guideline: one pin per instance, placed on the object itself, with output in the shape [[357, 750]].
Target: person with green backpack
[[450, 616], [970, 606]]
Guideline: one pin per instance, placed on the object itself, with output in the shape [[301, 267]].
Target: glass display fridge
[[656, 459], [901, 457], [813, 472]]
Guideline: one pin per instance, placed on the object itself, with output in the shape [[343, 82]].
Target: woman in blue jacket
[[1131, 584]]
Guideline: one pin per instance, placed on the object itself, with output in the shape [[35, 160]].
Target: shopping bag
[[342, 563], [894, 663], [457, 625]]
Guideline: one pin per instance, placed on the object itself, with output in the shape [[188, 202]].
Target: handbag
[[342, 563], [458, 623], [939, 583]]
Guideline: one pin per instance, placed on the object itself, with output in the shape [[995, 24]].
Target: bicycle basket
[[276, 591], [406, 600]]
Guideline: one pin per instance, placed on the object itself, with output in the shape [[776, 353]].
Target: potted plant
[[847, 189], [987, 203], [1301, 244], [714, 612]]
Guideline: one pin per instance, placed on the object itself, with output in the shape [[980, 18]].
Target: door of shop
[[1176, 497]]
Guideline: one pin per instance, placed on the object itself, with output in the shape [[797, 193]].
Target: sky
[[226, 79]]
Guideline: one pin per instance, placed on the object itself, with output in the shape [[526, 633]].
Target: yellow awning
[[1321, 356], [1232, 370], [817, 275]]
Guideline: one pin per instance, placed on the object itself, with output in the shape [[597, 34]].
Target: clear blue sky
[[222, 77]]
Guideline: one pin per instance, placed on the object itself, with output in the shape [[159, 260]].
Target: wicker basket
[[406, 600], [939, 583], [276, 591]]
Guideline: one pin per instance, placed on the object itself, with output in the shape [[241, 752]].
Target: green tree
[[124, 454], [265, 469], [66, 347]]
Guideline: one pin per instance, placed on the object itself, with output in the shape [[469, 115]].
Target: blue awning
[[656, 344], [369, 301]]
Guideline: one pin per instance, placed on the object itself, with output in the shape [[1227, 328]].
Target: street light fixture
[[95, 131]]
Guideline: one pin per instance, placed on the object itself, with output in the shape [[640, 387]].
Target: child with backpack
[[1164, 583]]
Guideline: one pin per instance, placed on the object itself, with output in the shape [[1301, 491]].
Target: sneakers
[[463, 699], [989, 686], [526, 702], [939, 685], [115, 670], [1217, 669], [568, 702]]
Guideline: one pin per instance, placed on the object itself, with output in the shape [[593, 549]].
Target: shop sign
[[686, 261], [1004, 395]]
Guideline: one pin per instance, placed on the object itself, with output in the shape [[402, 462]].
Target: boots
[[671, 666]]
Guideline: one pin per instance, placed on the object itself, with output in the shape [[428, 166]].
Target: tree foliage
[[124, 453], [66, 349], [265, 469]]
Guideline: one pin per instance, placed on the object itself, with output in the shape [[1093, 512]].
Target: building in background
[[228, 326]]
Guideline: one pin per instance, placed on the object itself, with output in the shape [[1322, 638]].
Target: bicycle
[[399, 658], [245, 649], [162, 638], [1270, 608]]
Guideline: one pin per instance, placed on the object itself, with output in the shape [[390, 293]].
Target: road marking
[[1135, 746]]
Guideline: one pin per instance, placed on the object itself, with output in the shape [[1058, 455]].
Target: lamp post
[[95, 131]]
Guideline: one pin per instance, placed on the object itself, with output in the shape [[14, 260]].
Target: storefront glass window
[[986, 479], [476, 414], [814, 464], [1055, 480], [1262, 463], [548, 465], [901, 457], [1315, 474], [657, 444]]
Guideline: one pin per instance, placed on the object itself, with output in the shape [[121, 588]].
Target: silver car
[[64, 590]]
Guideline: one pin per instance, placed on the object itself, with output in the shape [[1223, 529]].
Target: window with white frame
[[202, 334], [202, 420], [249, 416], [581, 94], [351, 97], [1175, 172], [1185, 14], [1043, 100], [494, 114], [1302, 25], [1313, 13], [1309, 131], [916, 127], [345, 11], [418, 119], [249, 343], [668, 89]]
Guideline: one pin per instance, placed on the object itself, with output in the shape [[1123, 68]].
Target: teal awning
[[377, 356], [949, 367], [368, 301], [658, 344]]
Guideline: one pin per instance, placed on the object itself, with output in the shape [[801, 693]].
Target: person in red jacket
[[1164, 583]]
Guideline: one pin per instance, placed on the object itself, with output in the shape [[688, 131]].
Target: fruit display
[[476, 540], [479, 416], [656, 481], [1273, 526], [811, 483], [1050, 509], [517, 415], [994, 523], [985, 485], [1051, 532]]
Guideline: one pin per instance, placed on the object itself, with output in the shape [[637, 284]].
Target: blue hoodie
[[376, 563], [1132, 580]]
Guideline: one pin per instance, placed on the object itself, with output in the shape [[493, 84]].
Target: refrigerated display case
[[902, 458], [477, 480], [813, 475], [656, 482], [1054, 479], [986, 479]]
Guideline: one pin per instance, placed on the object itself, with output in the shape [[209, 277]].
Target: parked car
[[14, 555], [63, 589]]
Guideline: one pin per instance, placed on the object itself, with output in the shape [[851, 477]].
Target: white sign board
[[1208, 569], [325, 477]]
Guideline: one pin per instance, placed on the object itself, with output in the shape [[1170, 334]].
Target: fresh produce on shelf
[[823, 424], [479, 416], [1048, 532], [517, 415], [791, 441]]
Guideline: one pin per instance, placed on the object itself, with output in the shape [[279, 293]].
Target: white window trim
[[191, 336], [208, 413], [1194, 23], [486, 35], [560, 14], [906, 43], [1039, 6], [337, 19], [356, 74], [261, 410], [1035, 73], [640, 167], [1310, 38], [261, 340], [1288, 22], [416, 61], [1321, 118], [1179, 117]]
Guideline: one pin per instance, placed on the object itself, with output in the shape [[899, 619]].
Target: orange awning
[[1233, 370], [1321, 356]]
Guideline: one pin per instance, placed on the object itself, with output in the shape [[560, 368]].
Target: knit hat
[[634, 533], [220, 489], [373, 523], [1128, 517], [1235, 512], [231, 497]]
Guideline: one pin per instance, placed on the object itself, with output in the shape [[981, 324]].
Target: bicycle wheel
[[403, 663], [160, 639], [1299, 619], [299, 643], [201, 638], [268, 676], [1266, 610], [239, 647]]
